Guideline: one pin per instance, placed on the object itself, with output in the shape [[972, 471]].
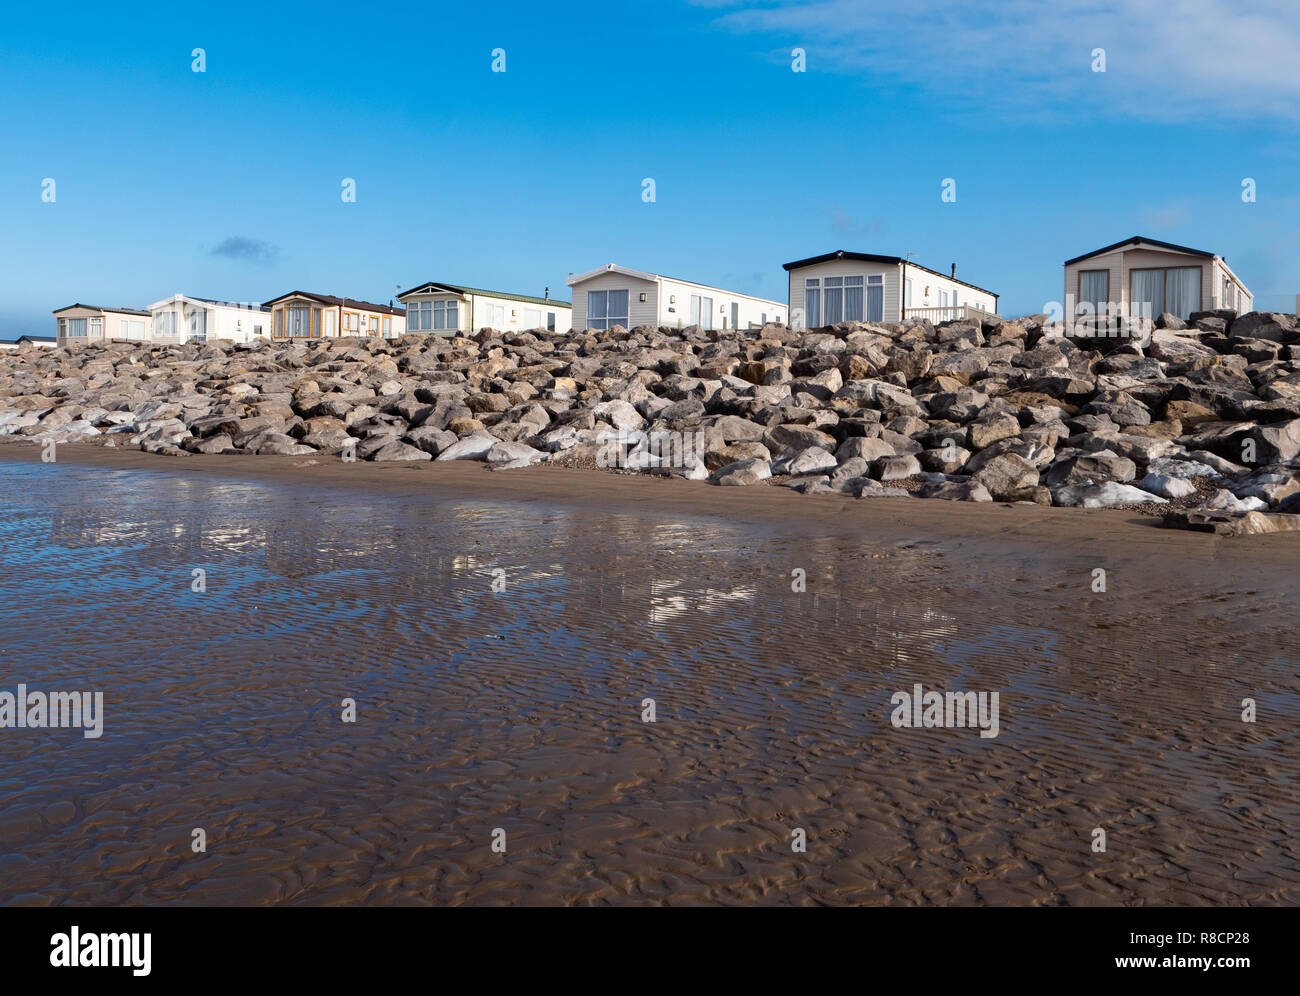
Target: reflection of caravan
[[1144, 277]]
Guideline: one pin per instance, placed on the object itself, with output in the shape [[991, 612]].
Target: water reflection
[[522, 704]]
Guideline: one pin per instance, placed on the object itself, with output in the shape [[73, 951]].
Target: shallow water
[[521, 709]]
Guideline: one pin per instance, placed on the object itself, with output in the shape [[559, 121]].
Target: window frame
[[1078, 291], [832, 285], [812, 292], [873, 280], [604, 295], [295, 314], [1200, 285], [862, 299]]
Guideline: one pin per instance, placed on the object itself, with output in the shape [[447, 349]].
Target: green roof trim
[[435, 286]]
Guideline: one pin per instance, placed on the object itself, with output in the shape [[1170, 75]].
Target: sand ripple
[[522, 709]]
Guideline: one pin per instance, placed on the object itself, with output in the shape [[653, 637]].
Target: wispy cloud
[[242, 248], [1166, 216], [1165, 59], [842, 224]]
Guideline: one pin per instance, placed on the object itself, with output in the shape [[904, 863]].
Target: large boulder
[[1090, 468], [1224, 500], [867, 447], [433, 441], [1007, 475], [955, 491], [1264, 325], [327, 440], [791, 438], [1277, 443], [1231, 523], [895, 468], [516, 454], [813, 460], [945, 459], [473, 447], [398, 452], [988, 429], [619, 414], [1105, 495], [734, 429], [1166, 486], [742, 473]]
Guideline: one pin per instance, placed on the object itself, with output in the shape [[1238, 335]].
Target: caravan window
[[812, 302], [605, 309], [1176, 290]]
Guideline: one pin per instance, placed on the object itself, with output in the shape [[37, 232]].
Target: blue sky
[[227, 183]]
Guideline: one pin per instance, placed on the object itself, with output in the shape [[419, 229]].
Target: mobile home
[[845, 286], [446, 309], [181, 318], [1146, 277], [300, 315], [90, 323], [618, 295]]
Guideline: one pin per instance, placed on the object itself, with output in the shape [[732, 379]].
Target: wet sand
[[522, 709]]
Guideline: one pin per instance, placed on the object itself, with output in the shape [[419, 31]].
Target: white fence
[[948, 314]]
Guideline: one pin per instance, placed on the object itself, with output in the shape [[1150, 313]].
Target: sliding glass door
[[702, 311], [1176, 290]]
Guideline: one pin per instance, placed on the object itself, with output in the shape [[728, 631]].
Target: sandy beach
[[521, 710]]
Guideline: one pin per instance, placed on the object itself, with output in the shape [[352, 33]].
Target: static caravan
[[845, 286], [44, 341], [1143, 277], [447, 309], [618, 295], [89, 323], [181, 318], [300, 315]]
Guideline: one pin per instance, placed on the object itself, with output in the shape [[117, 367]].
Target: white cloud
[[1165, 59], [842, 224], [1165, 217]]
